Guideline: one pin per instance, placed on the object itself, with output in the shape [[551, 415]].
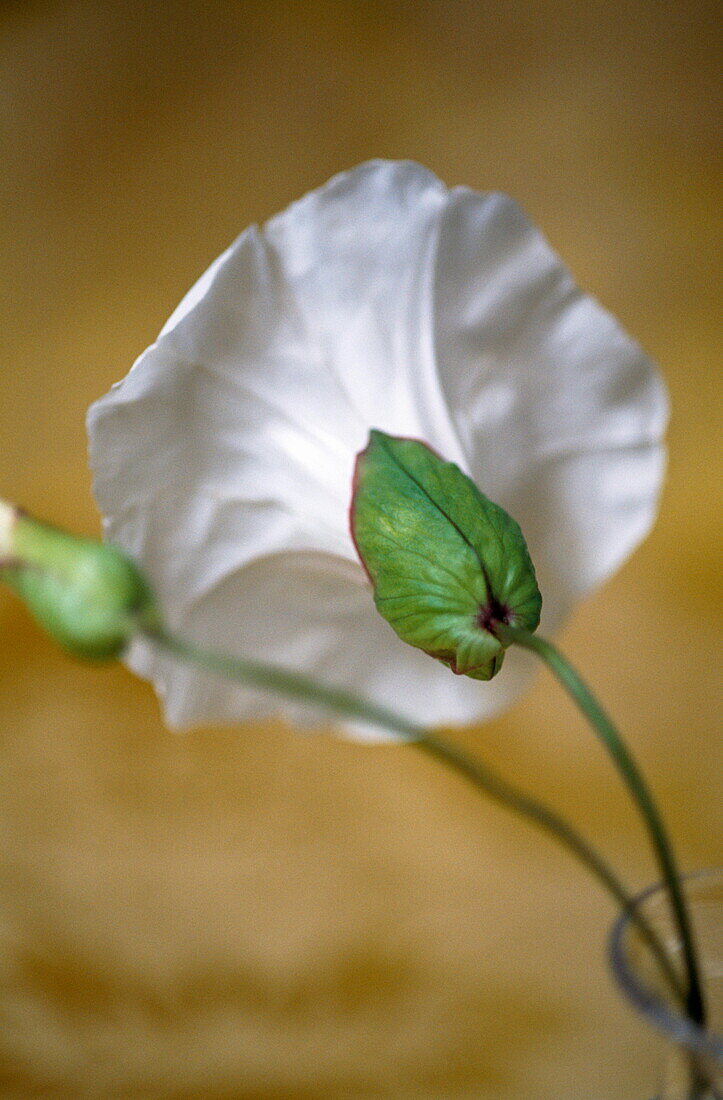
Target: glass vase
[[693, 1068]]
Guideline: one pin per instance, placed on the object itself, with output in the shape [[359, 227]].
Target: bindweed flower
[[224, 460], [89, 597]]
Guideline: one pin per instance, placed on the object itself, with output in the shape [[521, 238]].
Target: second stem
[[628, 769]]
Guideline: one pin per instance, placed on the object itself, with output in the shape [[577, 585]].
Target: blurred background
[[255, 913]]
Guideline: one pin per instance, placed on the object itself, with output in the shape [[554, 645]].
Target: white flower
[[8, 519], [223, 461]]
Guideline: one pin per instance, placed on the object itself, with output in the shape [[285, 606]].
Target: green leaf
[[446, 563]]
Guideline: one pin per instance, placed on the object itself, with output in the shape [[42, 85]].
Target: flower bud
[[88, 596], [448, 566]]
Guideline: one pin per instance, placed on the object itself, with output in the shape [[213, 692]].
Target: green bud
[[88, 596], [446, 563]]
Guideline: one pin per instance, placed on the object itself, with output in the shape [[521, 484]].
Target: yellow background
[[254, 913]]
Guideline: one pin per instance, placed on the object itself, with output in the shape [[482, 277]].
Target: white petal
[[223, 462], [560, 414], [8, 518]]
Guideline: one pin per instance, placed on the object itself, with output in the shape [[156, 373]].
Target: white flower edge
[[8, 519], [223, 461]]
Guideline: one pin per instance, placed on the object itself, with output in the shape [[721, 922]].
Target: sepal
[[446, 563]]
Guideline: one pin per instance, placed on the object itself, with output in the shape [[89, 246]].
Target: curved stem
[[545, 818], [304, 689], [628, 769]]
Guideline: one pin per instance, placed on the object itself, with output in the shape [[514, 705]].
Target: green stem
[[304, 689], [546, 819], [628, 769]]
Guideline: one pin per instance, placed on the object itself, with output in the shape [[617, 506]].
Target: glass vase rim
[[663, 1016]]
